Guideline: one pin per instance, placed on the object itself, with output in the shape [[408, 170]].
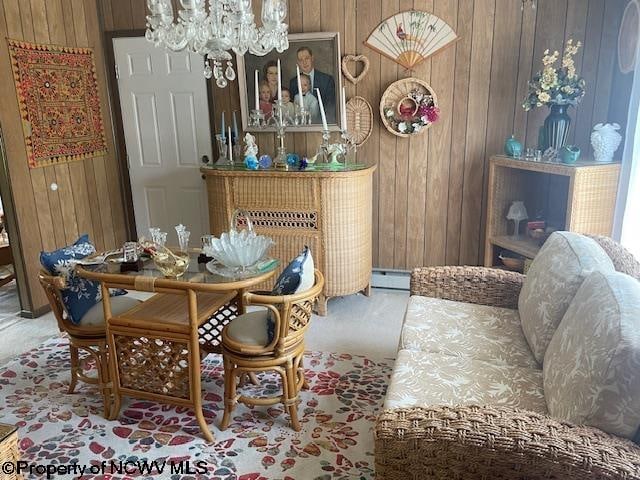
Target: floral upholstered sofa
[[501, 375]]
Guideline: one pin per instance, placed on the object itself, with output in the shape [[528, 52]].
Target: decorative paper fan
[[408, 38]]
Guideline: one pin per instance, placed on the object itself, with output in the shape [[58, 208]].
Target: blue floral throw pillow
[[297, 277], [81, 294]]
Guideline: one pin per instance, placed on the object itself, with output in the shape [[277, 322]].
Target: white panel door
[[165, 116]]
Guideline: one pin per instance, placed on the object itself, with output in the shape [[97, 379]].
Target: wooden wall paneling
[[442, 71], [524, 71], [139, 13], [475, 155], [312, 22], [24, 201], [459, 120], [93, 203], [576, 29], [295, 26], [107, 15], [41, 35], [550, 23], [58, 36], [69, 27], [122, 14], [76, 169], [418, 168], [369, 15], [621, 85], [402, 195], [113, 197], [39, 184], [503, 87], [607, 63], [388, 159], [582, 116], [420, 186]]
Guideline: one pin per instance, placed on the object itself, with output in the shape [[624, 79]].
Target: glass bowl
[[238, 249]]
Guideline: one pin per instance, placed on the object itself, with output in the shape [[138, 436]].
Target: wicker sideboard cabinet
[[331, 212], [579, 198]]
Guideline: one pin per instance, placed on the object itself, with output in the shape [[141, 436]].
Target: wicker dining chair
[[246, 349], [91, 339]]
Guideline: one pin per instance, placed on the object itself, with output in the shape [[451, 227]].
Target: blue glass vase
[[556, 127]]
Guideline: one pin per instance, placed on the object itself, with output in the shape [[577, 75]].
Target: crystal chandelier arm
[[214, 27]]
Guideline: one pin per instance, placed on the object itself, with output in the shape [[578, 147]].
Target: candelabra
[[223, 151], [280, 119], [334, 156]]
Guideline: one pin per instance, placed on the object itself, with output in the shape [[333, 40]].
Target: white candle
[[343, 97], [322, 114], [279, 82], [230, 147], [299, 88], [257, 92]]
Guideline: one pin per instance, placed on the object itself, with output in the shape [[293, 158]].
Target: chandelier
[[213, 27]]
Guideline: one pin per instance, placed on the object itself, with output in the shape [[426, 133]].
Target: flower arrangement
[[556, 85], [415, 112]]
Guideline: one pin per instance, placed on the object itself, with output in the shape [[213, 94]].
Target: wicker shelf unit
[[331, 212], [579, 198]]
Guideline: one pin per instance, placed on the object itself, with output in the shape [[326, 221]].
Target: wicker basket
[[9, 452], [359, 119], [399, 91]]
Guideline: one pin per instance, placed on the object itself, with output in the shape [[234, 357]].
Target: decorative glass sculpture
[[239, 248]]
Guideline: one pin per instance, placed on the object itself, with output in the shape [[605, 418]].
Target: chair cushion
[[95, 315], [463, 329], [422, 379], [592, 366], [81, 294], [552, 281], [250, 328]]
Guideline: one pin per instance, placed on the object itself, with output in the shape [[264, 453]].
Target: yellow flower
[[549, 78], [544, 97], [550, 59], [567, 89], [571, 49]]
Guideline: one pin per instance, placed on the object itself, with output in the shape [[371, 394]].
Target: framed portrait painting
[[318, 57]]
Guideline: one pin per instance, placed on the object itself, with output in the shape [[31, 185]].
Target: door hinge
[[117, 72], [128, 162]]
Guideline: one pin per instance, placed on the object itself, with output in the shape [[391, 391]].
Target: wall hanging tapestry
[[59, 102], [408, 38]]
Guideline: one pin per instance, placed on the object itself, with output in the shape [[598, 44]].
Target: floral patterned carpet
[[336, 440]]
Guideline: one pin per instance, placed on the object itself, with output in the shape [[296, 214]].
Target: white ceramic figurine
[[250, 149]]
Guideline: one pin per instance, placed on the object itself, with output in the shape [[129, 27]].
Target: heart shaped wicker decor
[[354, 58]]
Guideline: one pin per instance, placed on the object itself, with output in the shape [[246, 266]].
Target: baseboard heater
[[392, 279]]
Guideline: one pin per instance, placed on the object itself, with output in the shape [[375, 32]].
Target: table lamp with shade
[[517, 213]]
